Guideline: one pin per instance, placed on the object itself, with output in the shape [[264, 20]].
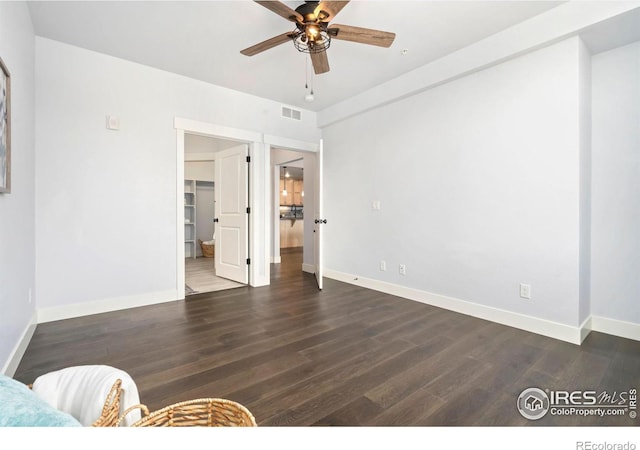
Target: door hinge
[[248, 210], [248, 261], [248, 159]]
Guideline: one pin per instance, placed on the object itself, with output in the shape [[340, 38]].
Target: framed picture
[[5, 129]]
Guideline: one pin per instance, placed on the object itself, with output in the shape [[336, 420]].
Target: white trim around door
[[254, 140]]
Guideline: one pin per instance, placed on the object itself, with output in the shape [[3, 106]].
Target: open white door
[[231, 227], [318, 219]]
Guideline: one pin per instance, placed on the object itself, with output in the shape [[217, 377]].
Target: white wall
[[17, 209], [199, 170], [615, 251], [106, 200], [479, 186], [202, 148]]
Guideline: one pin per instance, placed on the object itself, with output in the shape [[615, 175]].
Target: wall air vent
[[291, 113]]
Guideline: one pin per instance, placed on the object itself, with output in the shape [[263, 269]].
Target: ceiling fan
[[313, 34]]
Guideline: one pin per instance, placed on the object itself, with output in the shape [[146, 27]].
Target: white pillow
[[82, 391]]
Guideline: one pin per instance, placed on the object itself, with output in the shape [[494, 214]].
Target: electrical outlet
[[402, 269], [525, 291], [375, 205], [383, 265]]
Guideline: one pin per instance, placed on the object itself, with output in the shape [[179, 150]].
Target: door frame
[[258, 219], [300, 147], [318, 250]]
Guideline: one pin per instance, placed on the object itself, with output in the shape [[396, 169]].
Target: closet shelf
[[190, 218]]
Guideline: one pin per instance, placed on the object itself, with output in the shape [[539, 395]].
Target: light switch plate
[[113, 123]]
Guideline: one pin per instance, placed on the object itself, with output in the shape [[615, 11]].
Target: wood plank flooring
[[200, 276], [297, 356]]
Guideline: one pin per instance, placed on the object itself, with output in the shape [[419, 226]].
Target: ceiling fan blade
[[269, 43], [331, 7], [320, 62], [282, 10], [361, 35]]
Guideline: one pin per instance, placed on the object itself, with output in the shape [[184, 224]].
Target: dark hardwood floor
[[346, 355]]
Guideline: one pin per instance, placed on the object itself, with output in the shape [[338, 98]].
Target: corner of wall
[[13, 362], [584, 142], [585, 329]]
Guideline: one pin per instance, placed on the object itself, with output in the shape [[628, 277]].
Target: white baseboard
[[585, 329], [309, 268], [536, 325], [276, 259], [106, 305], [615, 327], [12, 363]]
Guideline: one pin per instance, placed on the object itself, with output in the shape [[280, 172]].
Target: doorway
[[293, 175], [262, 216], [291, 207], [202, 185]]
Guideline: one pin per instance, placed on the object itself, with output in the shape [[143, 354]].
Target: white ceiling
[[194, 143], [203, 39]]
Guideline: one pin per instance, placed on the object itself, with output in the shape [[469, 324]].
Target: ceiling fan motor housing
[[311, 35], [311, 12]]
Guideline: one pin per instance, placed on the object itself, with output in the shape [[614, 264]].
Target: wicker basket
[[202, 412], [207, 249], [111, 409]]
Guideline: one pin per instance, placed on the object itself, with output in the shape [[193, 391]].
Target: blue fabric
[[20, 407]]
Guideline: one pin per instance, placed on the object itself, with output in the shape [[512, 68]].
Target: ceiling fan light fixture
[[307, 43], [284, 183], [312, 31]]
